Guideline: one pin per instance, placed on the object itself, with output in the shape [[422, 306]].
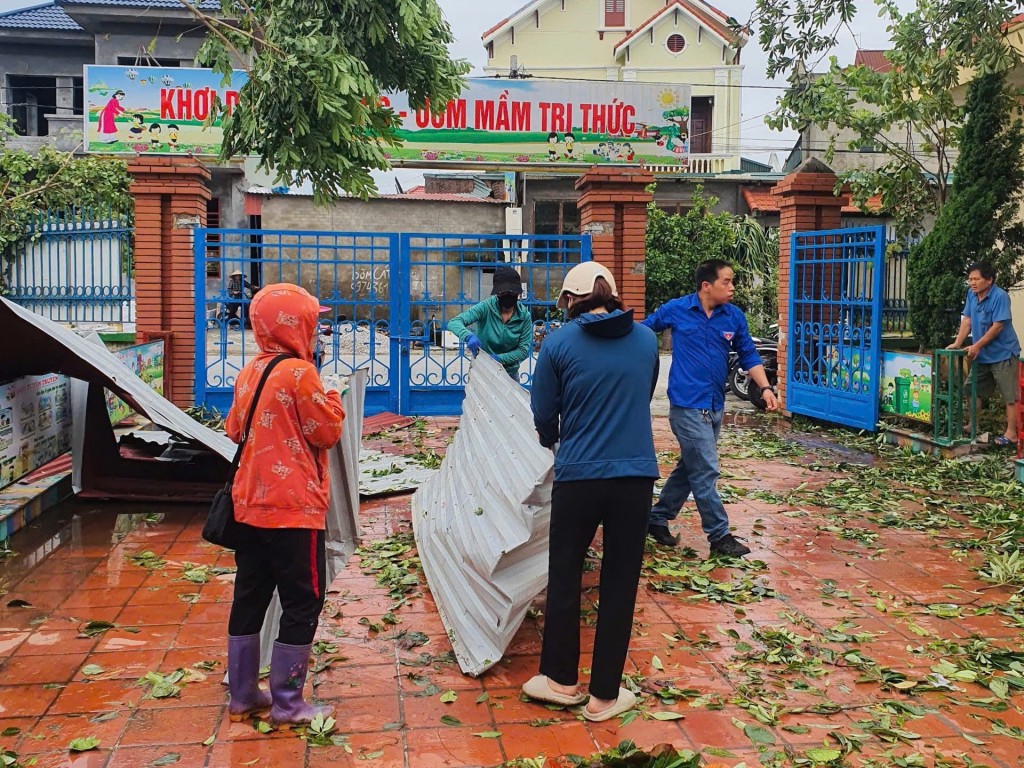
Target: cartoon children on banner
[[138, 126], [113, 109]]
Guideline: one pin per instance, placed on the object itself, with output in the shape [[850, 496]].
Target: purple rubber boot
[[288, 667], [243, 677]]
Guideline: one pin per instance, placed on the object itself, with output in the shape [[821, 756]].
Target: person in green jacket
[[503, 327]]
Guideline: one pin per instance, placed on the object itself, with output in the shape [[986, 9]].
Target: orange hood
[[283, 318]]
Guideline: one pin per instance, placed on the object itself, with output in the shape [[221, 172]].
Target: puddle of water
[[78, 524]]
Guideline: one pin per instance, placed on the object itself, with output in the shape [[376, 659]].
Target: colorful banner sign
[[35, 424], [154, 110], [544, 121], [161, 110], [907, 385]]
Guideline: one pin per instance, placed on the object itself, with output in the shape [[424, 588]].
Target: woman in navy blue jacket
[[591, 400]]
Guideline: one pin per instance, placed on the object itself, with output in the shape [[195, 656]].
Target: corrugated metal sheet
[[385, 421], [384, 474], [481, 524], [343, 515]]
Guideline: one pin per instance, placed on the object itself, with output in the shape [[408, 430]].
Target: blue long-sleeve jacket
[[592, 391], [700, 349]]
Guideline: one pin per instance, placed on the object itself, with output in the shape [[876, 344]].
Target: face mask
[[507, 302]]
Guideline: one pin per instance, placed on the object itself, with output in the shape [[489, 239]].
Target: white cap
[[579, 281]]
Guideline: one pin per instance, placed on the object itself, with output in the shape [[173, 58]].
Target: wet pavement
[[858, 634]]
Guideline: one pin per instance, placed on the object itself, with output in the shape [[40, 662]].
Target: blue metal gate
[[835, 325], [389, 298]]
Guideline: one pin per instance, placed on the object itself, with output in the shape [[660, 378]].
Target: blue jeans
[[697, 471]]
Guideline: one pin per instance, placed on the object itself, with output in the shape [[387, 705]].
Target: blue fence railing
[[389, 298], [75, 267]]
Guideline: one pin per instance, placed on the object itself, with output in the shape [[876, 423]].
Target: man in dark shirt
[[705, 326]]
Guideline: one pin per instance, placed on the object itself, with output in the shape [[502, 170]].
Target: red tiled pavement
[[387, 702]]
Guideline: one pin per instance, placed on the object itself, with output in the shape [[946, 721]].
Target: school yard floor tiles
[[877, 623]]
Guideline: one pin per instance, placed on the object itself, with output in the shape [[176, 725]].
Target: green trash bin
[[902, 394]]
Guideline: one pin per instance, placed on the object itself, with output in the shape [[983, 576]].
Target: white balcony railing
[[704, 164]]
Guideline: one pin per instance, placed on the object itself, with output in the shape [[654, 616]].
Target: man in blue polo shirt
[[994, 347], [705, 326]]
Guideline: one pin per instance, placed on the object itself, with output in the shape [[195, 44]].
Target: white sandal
[[539, 688], [625, 702]]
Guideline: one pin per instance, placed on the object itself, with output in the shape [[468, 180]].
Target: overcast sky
[[470, 18]]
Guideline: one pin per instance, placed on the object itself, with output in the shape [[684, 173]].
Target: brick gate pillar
[[170, 200], [806, 202], [613, 210]]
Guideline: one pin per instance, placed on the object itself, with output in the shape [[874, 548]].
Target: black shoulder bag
[[221, 528]]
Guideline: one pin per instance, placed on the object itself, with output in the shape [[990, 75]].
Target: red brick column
[[613, 209], [170, 200], [806, 203]]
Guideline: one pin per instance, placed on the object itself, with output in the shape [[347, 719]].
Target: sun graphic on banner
[[668, 98]]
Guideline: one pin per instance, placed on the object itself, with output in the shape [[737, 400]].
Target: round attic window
[[675, 43]]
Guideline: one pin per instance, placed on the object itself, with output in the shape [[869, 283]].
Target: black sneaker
[[662, 535], [729, 546]]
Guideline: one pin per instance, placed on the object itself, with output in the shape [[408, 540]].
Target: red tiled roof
[[419, 190], [761, 200], [696, 10], [1015, 20], [509, 18], [874, 59]]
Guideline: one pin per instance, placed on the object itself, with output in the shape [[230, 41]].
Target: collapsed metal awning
[[35, 345], [481, 524]]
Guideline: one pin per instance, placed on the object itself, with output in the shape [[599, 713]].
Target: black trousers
[[622, 506], [292, 560]]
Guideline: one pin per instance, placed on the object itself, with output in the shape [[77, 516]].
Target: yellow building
[[661, 41]]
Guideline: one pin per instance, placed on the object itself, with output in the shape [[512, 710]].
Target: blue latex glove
[[473, 343], [497, 359]]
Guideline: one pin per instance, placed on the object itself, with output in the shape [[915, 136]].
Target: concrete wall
[[358, 270], [228, 184], [168, 45]]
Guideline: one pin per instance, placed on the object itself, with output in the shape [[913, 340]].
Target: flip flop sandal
[[1003, 441], [538, 689], [624, 703]]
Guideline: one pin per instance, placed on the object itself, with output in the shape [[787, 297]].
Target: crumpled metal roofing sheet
[[481, 524], [384, 474]]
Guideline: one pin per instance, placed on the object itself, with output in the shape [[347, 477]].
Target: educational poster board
[[147, 362], [907, 385], [35, 424]]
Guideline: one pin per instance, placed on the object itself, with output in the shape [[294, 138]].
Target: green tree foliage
[[50, 180], [909, 112], [756, 260], [677, 244], [980, 220], [311, 109]]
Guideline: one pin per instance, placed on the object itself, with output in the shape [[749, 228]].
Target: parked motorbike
[[770, 358], [739, 379]]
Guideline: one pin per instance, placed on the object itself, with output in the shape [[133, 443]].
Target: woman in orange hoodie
[[280, 494]]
